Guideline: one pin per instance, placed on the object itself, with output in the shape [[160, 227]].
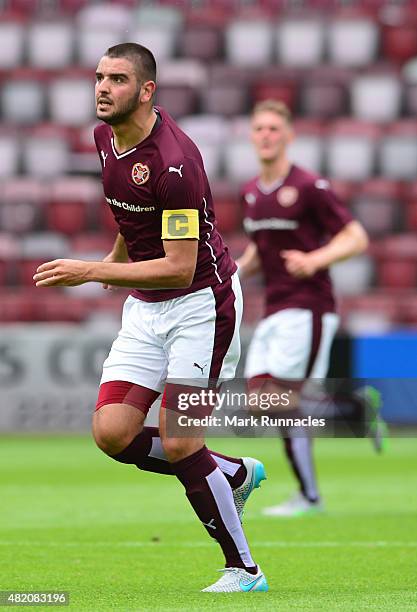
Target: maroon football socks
[[146, 452]]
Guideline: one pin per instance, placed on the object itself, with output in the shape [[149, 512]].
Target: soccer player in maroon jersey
[[298, 228], [182, 318]]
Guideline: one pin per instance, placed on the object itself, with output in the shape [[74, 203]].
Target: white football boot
[[238, 580], [296, 506], [255, 475]]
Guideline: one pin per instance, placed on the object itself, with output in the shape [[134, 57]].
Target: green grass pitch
[[120, 539]]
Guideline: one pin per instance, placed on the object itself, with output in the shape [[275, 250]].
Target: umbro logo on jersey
[[178, 170], [140, 173], [195, 365], [104, 157]]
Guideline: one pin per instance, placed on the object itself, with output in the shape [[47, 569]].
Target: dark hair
[[141, 58]]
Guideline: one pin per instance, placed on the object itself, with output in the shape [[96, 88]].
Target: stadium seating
[[9, 154], [45, 156], [398, 154], [350, 78], [239, 156], [307, 151], [199, 42], [45, 36], [12, 36], [162, 40], [258, 52], [399, 43], [367, 91], [22, 101], [352, 42], [93, 41], [353, 276], [291, 52], [66, 217], [71, 101]]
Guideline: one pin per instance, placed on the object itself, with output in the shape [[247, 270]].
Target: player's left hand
[[62, 273], [300, 264]]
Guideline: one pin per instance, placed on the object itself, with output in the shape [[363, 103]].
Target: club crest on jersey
[[287, 196], [140, 173]]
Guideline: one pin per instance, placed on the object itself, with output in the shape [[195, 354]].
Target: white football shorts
[[195, 336], [292, 343]]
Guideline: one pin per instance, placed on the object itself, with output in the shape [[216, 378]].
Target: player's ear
[[147, 91]]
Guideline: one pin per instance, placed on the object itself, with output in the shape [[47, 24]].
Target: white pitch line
[[277, 544]]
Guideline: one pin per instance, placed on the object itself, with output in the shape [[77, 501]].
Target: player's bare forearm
[[174, 271], [161, 273], [249, 262], [351, 240]]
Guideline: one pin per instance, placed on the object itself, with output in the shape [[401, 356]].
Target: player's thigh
[[137, 354]]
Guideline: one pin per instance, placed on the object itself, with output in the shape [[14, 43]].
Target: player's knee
[[178, 448], [111, 436]]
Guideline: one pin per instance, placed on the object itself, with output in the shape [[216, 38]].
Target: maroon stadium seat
[[178, 100], [15, 306], [4, 273], [411, 216], [323, 99], [399, 43], [228, 215], [107, 221], [225, 99], [398, 274], [397, 261], [381, 187], [253, 309], [93, 242], [68, 217], [26, 268], [378, 309], [410, 94], [20, 216], [285, 91], [378, 205], [408, 309], [201, 42]]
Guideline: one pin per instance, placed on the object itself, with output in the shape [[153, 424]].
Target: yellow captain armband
[[177, 224]]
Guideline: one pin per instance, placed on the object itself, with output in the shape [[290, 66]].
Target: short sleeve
[[331, 213], [180, 193]]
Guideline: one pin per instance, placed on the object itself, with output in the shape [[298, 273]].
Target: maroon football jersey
[[299, 212], [165, 172]]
